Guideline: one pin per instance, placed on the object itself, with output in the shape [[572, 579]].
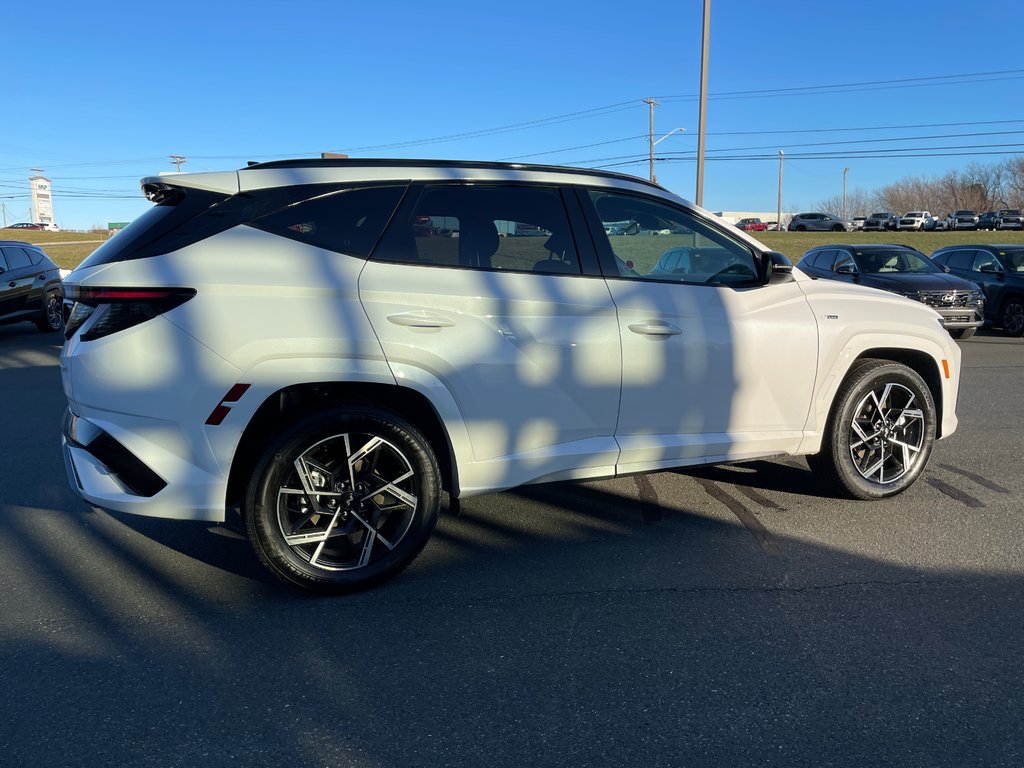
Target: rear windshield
[[148, 234]]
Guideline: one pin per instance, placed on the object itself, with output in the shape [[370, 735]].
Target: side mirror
[[776, 268], [846, 269], [992, 268]]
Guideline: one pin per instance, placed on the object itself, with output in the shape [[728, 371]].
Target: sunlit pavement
[[722, 616]]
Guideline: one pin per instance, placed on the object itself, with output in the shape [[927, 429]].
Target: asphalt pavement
[[722, 616]]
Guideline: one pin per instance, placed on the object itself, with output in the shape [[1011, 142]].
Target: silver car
[[817, 222]]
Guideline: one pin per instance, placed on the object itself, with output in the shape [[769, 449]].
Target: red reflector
[[235, 393], [217, 415]]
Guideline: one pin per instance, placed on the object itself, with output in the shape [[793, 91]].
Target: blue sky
[[100, 94]]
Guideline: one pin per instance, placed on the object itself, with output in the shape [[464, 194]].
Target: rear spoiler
[[157, 188]]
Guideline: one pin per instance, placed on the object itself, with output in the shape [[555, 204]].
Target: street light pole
[[650, 133], [702, 127], [778, 213]]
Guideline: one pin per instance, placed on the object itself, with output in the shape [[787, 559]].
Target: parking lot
[[728, 616]]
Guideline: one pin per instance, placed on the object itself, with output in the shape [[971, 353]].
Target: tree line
[[978, 187]]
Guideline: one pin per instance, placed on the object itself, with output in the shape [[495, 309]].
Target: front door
[[715, 365]]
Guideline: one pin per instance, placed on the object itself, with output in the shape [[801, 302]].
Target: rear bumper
[[106, 473]]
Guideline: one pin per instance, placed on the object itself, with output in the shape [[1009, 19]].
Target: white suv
[[326, 346]]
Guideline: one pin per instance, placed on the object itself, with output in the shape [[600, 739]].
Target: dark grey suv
[[30, 287], [816, 222]]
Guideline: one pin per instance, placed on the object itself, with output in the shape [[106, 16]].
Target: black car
[[903, 270], [30, 287], [999, 270], [881, 222], [988, 220]]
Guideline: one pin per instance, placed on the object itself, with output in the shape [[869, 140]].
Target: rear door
[[481, 297]]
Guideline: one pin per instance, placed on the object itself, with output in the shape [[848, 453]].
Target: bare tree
[[858, 203]]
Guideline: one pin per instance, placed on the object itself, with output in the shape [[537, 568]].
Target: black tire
[[868, 451], [962, 334], [375, 472], [801, 228], [52, 319], [1012, 316], [838, 228]]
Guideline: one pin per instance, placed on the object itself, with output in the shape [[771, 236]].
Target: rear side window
[[17, 258], [348, 221], [514, 228], [961, 259]]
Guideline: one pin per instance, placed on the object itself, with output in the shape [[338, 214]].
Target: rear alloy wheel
[[1013, 316], [838, 228], [962, 333], [880, 433], [53, 314], [344, 499]]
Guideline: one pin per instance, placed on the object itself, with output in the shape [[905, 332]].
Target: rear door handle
[[421, 320], [652, 328]]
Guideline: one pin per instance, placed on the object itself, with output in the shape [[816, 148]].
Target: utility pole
[[778, 213], [652, 104], [178, 160], [845, 171], [3, 207], [701, 128]]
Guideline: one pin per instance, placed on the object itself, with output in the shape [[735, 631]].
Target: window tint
[[35, 255], [516, 228], [349, 221], [983, 260], [959, 259], [17, 257], [824, 259], [845, 262], [3, 260], [654, 241], [1013, 260]]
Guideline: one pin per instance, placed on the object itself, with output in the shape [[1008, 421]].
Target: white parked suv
[[325, 346]]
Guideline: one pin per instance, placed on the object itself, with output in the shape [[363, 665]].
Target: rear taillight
[[121, 308]]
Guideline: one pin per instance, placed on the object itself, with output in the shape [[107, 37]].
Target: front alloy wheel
[[886, 433], [880, 432], [343, 500], [1013, 316]]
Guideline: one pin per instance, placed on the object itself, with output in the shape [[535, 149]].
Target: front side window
[[513, 228], [985, 262], [1013, 260], [651, 240], [845, 263]]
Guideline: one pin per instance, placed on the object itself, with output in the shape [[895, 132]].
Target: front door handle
[[420, 320], [654, 328]]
